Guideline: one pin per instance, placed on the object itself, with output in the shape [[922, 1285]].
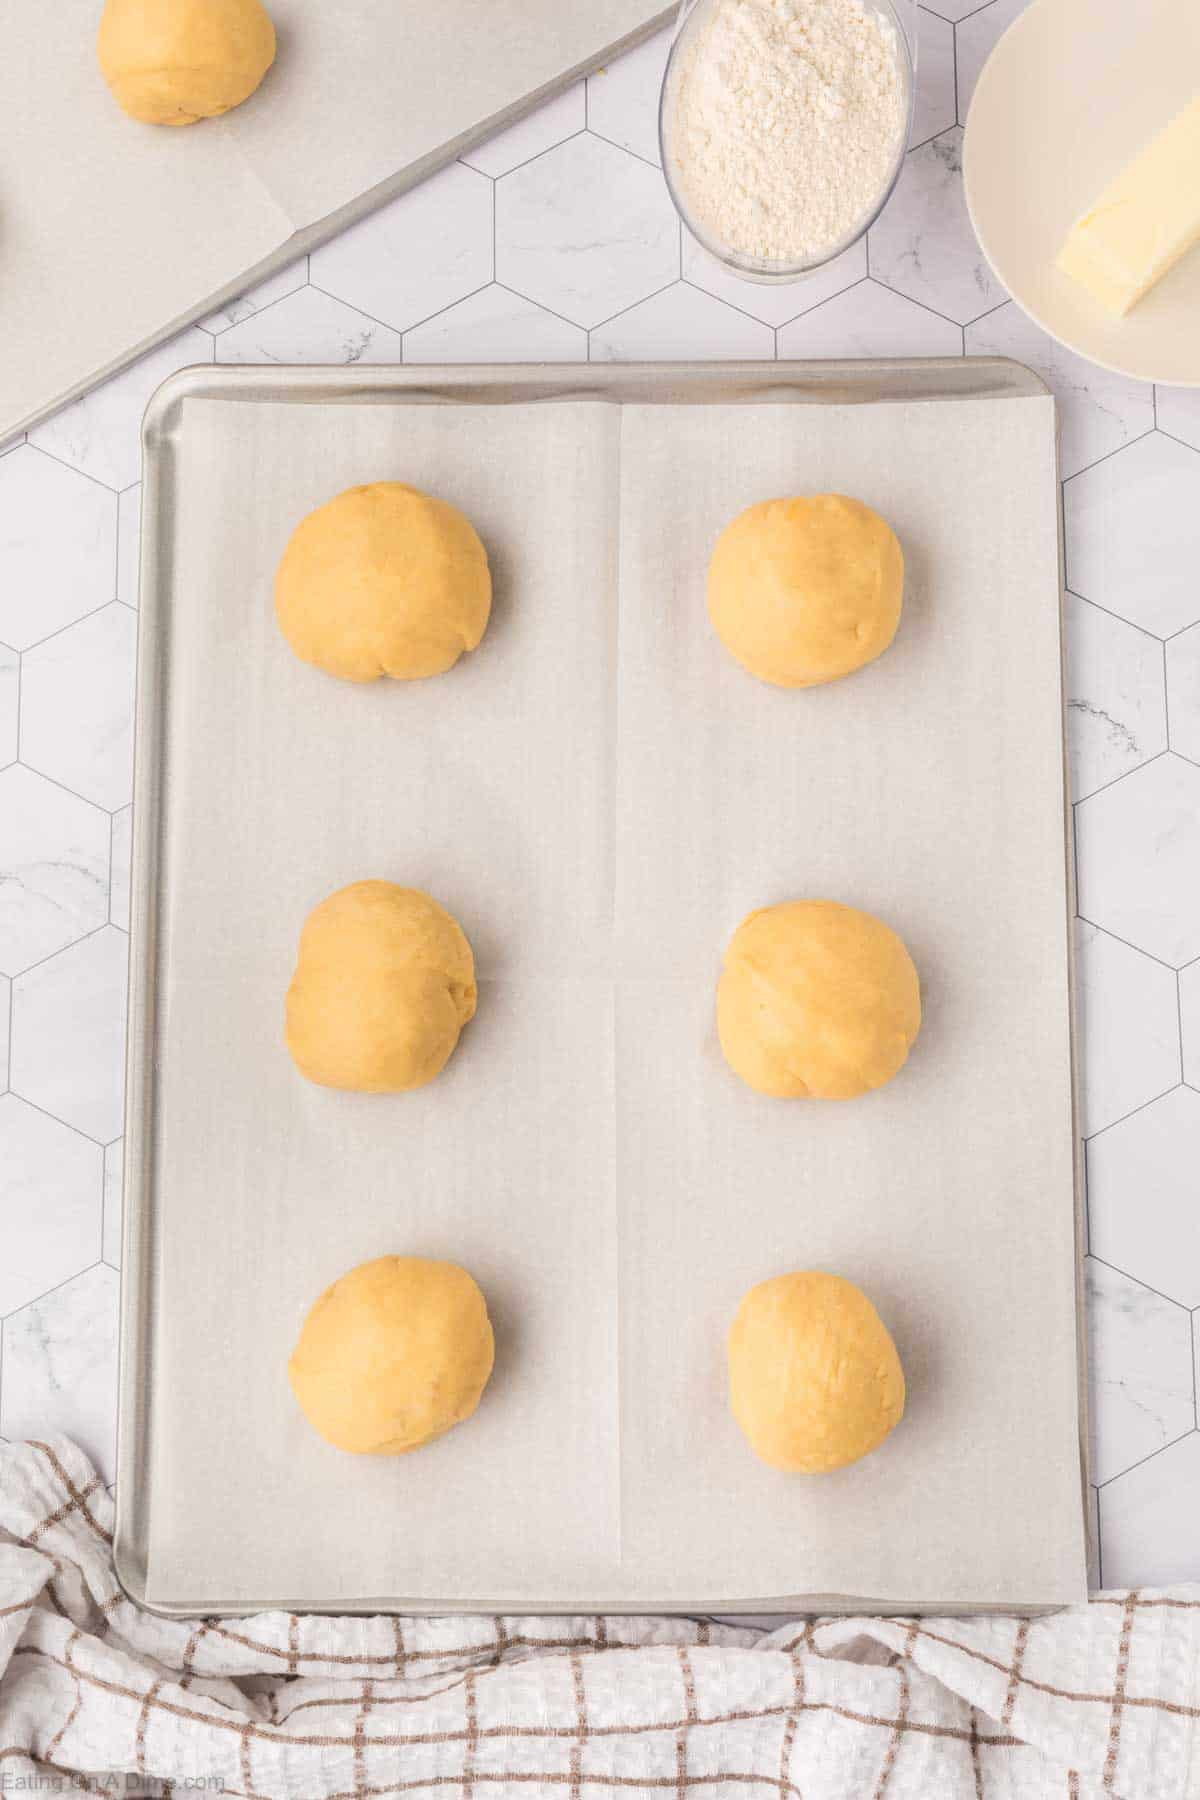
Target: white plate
[[1070, 93]]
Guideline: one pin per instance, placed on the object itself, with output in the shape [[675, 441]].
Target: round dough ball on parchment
[[816, 998], [383, 580], [396, 1352], [384, 983], [806, 590], [172, 62], [814, 1378]]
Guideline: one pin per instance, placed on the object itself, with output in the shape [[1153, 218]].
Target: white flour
[[787, 123]]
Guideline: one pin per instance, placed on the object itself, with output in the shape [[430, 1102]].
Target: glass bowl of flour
[[783, 126]]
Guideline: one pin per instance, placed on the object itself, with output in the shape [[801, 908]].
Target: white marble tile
[[1183, 692], [773, 304], [114, 1174], [495, 326], [539, 130], [1140, 1369], [60, 1367], [309, 326], [863, 320], [275, 287], [1131, 526], [586, 230], [129, 526], [101, 433], [976, 37], [58, 546], [1144, 1195], [1189, 1016], [118, 879], [53, 868], [51, 1182], [5, 1023], [10, 692], [1128, 1027], [77, 706], [68, 1034], [1097, 411], [1137, 853], [923, 244], [1178, 412], [1117, 714], [622, 99], [682, 322], [934, 107], [1148, 1520], [422, 252]]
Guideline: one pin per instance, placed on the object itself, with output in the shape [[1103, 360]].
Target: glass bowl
[[693, 16]]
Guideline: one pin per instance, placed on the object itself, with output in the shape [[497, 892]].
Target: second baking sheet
[[600, 794]]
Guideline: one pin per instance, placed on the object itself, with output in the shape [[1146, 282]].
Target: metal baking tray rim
[[842, 382]]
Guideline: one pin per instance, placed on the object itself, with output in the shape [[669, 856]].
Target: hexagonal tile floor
[[557, 241]]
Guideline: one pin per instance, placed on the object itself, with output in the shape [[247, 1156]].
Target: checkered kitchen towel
[[97, 1696]]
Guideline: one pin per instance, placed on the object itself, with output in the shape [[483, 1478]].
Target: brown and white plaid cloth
[[98, 1696]]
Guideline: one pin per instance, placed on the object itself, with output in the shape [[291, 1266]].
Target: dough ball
[[395, 1353], [383, 580], [806, 590], [816, 999], [814, 1378], [171, 62], [384, 983]]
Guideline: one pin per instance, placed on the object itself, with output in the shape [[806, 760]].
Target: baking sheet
[[114, 234], [600, 794]]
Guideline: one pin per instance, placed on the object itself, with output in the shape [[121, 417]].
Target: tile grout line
[[506, 287], [51, 954], [1119, 617], [1175, 439], [75, 795], [1107, 457], [1124, 776], [954, 52], [97, 1263], [1131, 1114], [1143, 1460], [72, 623], [75, 468], [1084, 920], [625, 149], [1137, 1280], [537, 155], [45, 1111], [260, 312]]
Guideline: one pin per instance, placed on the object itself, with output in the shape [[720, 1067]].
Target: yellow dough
[[395, 1353], [816, 998], [806, 590], [384, 983], [383, 580], [171, 62], [814, 1378]]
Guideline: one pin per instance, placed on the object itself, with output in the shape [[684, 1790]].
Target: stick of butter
[[1143, 221]]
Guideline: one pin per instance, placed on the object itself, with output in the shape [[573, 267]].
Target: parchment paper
[[600, 794], [112, 232]]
